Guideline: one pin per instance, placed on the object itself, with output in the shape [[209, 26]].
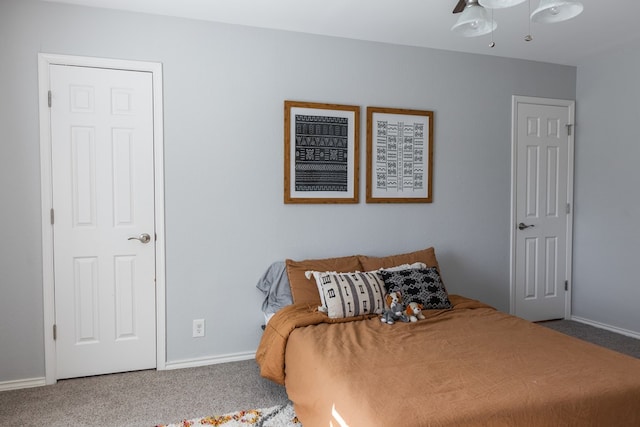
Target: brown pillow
[[305, 290], [428, 256]]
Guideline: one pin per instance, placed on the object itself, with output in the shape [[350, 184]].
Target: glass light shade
[[473, 22], [499, 4], [551, 11]]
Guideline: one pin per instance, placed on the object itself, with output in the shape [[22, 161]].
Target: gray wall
[[224, 89], [607, 189]]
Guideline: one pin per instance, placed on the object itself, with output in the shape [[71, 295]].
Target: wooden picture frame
[[321, 152], [399, 155]]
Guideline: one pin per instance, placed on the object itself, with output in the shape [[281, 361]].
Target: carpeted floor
[[144, 398], [149, 398], [602, 337]]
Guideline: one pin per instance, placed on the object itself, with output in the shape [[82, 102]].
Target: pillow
[[418, 285], [274, 284], [304, 290], [351, 294], [405, 266], [427, 256], [321, 277]]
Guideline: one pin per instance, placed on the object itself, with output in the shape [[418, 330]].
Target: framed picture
[[399, 155], [321, 152]]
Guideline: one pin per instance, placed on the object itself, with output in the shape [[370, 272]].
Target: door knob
[[523, 226], [143, 238]]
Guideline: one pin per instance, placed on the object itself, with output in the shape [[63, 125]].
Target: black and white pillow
[[350, 294], [423, 286]]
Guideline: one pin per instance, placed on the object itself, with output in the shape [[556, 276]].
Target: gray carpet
[[602, 337], [147, 398], [144, 398]]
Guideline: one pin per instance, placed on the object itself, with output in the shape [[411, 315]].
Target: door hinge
[[55, 332], [49, 99], [52, 216], [569, 128], [568, 208], [566, 285]]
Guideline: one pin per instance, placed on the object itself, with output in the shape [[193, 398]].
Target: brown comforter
[[471, 365]]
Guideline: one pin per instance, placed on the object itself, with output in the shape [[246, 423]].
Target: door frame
[[571, 106], [48, 291]]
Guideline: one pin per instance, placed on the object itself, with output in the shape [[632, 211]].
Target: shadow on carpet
[[275, 416]]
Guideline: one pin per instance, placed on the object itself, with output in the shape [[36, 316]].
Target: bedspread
[[471, 365]]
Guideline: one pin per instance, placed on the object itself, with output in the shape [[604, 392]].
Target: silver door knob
[[144, 238], [523, 226]]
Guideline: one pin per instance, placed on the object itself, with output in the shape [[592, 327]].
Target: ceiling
[[602, 25]]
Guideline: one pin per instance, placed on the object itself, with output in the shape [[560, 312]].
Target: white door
[[103, 209], [541, 222]]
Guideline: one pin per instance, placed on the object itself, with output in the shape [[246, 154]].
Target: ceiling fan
[[474, 20], [491, 4], [460, 6], [548, 12]]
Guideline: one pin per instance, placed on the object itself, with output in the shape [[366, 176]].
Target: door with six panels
[[103, 220], [542, 217]]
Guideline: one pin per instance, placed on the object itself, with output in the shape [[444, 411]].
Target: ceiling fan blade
[[460, 6]]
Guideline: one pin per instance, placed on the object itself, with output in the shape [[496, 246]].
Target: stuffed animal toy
[[414, 312], [393, 309]]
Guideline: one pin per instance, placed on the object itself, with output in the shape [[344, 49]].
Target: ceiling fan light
[[499, 4], [551, 11], [473, 22]]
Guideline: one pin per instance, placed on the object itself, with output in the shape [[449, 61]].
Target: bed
[[465, 365]]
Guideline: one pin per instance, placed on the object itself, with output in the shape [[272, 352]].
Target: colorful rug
[[276, 416]]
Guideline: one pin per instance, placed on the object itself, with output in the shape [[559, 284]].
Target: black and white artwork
[[321, 152], [399, 148]]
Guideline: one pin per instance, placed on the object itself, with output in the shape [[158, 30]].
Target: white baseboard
[[178, 364], [18, 384], [204, 361], [615, 329]]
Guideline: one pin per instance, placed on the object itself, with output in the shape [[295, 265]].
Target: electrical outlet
[[198, 328]]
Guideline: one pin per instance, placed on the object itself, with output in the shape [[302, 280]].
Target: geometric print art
[[321, 153], [423, 286]]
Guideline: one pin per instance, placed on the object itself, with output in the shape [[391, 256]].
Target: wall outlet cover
[[198, 328]]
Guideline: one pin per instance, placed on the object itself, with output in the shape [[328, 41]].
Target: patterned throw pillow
[[351, 294], [418, 285]]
